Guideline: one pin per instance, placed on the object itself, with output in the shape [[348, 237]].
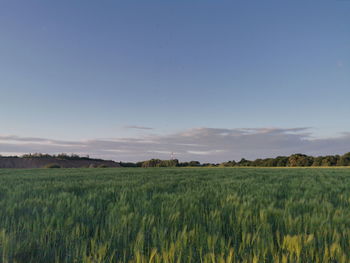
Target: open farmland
[[175, 215]]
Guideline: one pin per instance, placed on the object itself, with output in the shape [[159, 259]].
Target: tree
[[330, 160], [344, 160], [229, 163], [168, 163], [317, 161], [194, 163], [151, 163], [299, 160], [244, 162], [281, 161]]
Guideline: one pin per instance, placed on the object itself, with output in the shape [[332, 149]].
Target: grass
[[246, 215]]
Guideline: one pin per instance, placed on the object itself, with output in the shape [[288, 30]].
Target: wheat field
[[248, 215]]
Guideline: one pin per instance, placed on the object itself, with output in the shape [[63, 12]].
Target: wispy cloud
[[210, 152], [203, 144], [138, 127]]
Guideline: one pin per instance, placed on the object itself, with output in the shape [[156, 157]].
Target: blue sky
[[89, 70]]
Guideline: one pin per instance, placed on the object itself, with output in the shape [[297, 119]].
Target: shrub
[[52, 165], [102, 166]]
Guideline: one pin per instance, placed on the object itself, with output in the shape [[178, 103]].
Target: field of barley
[[249, 215]]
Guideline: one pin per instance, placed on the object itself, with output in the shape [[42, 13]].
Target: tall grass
[[175, 215]]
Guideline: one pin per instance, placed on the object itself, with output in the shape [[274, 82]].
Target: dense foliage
[[294, 160], [175, 215]]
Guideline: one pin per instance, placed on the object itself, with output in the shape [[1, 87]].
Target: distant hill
[[32, 161]]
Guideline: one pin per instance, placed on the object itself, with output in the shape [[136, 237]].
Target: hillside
[[32, 162]]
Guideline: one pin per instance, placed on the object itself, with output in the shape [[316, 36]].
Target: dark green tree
[[301, 160], [344, 160]]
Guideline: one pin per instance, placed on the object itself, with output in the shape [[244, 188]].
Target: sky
[[207, 80]]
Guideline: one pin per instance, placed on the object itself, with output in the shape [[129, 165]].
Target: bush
[[52, 165], [102, 166]]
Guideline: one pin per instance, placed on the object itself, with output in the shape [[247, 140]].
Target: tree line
[[294, 160], [162, 163]]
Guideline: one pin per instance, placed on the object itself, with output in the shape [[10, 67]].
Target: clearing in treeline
[[175, 215]]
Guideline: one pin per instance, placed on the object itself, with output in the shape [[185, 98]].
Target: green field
[[175, 215]]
